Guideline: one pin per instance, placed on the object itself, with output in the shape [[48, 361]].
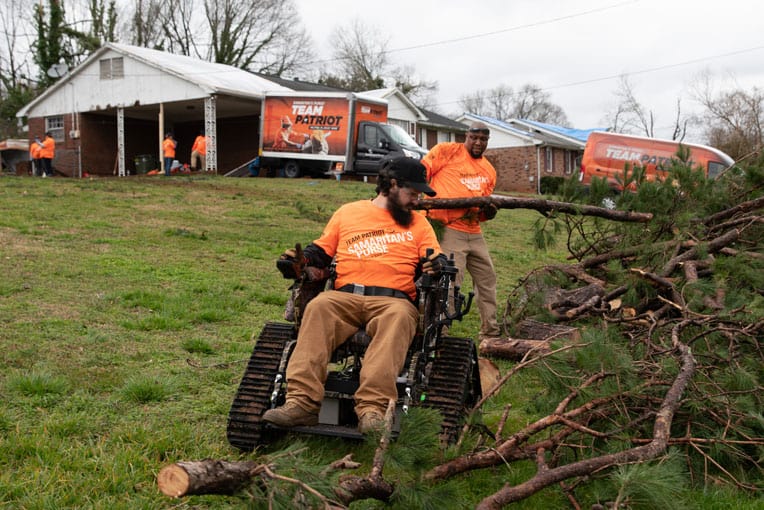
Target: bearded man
[[379, 247]]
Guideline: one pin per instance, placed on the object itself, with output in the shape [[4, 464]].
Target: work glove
[[434, 263], [288, 264], [488, 212]]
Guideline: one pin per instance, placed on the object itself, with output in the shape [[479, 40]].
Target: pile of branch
[[680, 312]]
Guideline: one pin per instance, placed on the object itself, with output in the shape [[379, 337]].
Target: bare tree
[[15, 51], [733, 119], [181, 30], [16, 84], [260, 35], [144, 24], [529, 102], [532, 103], [629, 115], [360, 57], [420, 91]]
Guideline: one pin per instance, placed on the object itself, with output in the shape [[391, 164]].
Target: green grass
[[127, 311]]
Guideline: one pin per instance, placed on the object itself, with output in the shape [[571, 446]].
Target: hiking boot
[[371, 423], [290, 415]]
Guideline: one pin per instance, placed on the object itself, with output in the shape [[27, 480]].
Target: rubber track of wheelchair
[[448, 388]]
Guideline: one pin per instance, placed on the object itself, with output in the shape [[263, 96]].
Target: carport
[[117, 105]]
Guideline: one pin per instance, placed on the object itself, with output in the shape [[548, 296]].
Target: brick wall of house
[[515, 166], [66, 156], [517, 170]]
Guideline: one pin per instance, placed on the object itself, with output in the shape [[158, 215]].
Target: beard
[[402, 216], [476, 153]]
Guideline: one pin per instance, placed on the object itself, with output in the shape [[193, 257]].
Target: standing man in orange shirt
[[168, 151], [199, 153], [47, 153], [459, 170], [379, 246], [34, 156]]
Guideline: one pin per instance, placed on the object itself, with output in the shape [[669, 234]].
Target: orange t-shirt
[[371, 249], [34, 150], [48, 149], [200, 145], [168, 147], [454, 173]]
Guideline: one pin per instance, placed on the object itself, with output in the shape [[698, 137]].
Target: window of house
[[112, 68], [569, 162], [406, 125], [55, 126], [549, 160]]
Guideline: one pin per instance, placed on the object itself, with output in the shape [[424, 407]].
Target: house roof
[[509, 129], [580, 135], [216, 78], [210, 77], [301, 86], [14, 144], [437, 120], [546, 134]]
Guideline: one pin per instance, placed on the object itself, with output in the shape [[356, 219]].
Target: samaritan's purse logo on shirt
[[473, 182], [375, 242]]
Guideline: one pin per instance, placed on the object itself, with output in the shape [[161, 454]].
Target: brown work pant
[[471, 253], [330, 318], [199, 161]]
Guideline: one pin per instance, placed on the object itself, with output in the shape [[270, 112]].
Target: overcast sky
[[574, 50]]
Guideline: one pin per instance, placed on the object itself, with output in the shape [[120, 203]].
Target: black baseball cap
[[411, 174]]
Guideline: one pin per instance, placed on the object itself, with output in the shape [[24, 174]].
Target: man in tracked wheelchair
[[379, 247]]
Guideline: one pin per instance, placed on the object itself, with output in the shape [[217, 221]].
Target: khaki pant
[[471, 253], [198, 157], [330, 318]]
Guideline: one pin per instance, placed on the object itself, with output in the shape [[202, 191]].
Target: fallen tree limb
[[712, 246], [750, 205], [661, 432], [537, 204]]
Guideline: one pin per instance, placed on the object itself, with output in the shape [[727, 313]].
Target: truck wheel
[[291, 169]]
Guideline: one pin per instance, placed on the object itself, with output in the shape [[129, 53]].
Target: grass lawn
[[127, 309]]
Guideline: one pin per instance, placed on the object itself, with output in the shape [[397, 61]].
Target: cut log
[[205, 477], [531, 335], [513, 349]]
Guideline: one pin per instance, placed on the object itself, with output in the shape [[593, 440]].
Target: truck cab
[[377, 142]]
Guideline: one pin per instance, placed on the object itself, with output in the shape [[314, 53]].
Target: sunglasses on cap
[[484, 131]]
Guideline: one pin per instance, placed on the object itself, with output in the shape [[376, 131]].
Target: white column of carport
[[161, 138], [121, 141], [210, 131]]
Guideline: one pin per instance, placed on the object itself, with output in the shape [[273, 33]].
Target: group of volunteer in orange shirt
[[42, 153], [198, 152]]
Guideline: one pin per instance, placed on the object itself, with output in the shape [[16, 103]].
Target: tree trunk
[[205, 477], [513, 349]]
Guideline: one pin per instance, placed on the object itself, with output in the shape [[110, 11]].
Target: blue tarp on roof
[[578, 134], [500, 123]]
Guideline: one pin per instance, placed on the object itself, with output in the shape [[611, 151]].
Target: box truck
[[606, 155], [304, 133]]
